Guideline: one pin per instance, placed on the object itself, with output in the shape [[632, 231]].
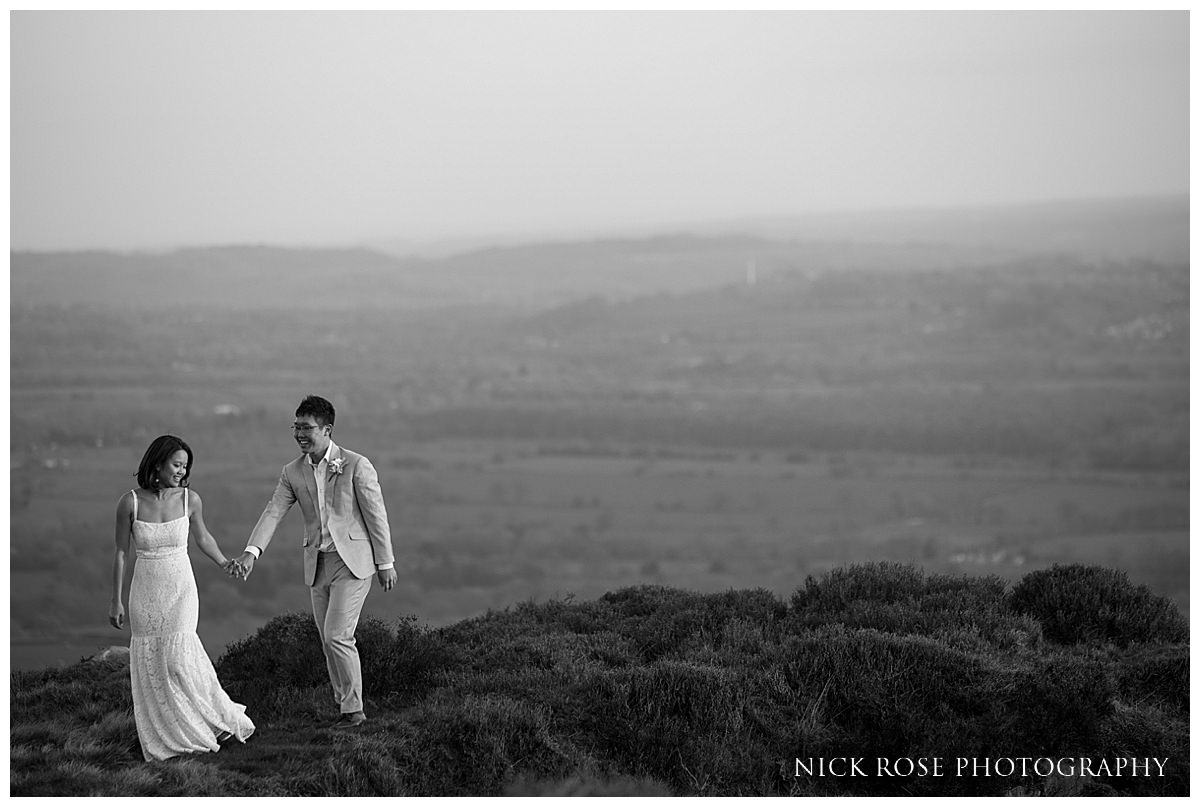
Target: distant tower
[[751, 272]]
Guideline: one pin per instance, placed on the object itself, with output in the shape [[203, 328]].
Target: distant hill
[[1152, 228], [532, 275], [554, 272], [235, 278]]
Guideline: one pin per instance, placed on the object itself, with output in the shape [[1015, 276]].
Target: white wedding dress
[[178, 704]]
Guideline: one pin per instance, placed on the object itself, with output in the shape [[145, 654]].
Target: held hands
[[387, 578], [240, 567]]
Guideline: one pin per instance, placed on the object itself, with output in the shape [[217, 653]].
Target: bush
[[872, 678], [684, 724], [362, 766], [660, 620], [964, 612], [476, 746], [498, 639], [284, 652], [882, 583], [1145, 731], [1081, 604], [1058, 703], [285, 658], [1158, 675], [85, 691], [889, 696], [404, 663], [595, 616]]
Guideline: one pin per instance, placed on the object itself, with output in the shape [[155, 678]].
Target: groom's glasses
[[303, 428]]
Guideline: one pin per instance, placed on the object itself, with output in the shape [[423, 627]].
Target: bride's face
[[171, 472]]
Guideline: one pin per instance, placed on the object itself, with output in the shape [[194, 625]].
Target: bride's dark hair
[[158, 453]]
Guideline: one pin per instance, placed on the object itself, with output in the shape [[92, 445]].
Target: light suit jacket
[[354, 506]]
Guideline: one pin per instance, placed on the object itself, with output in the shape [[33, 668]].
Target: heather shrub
[[970, 613], [594, 616], [593, 704], [659, 620], [1057, 704], [526, 651], [272, 668], [496, 640], [361, 766], [284, 652], [541, 686], [1156, 674], [1143, 731], [309, 703], [742, 643], [699, 697], [476, 746], [756, 605], [899, 696], [525, 638], [1077, 604], [685, 726], [405, 662], [609, 649], [82, 692], [879, 582]]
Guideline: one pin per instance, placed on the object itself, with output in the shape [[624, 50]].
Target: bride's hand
[[116, 615], [242, 566]]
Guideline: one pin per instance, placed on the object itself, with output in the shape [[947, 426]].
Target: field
[[732, 413]]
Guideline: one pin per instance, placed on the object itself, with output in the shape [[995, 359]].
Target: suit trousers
[[337, 600]]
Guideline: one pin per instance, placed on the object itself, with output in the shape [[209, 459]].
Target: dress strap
[[185, 502], [134, 492]]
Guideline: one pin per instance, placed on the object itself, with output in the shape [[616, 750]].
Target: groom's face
[[312, 437]]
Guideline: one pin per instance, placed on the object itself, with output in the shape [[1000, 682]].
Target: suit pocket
[[357, 533]]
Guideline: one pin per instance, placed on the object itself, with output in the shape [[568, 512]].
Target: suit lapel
[[331, 477], [310, 481]]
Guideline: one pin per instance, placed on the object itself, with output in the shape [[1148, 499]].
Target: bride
[[178, 704]]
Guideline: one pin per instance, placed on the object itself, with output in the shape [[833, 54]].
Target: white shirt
[[320, 469]]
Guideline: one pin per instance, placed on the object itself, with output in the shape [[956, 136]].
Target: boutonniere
[[336, 466]]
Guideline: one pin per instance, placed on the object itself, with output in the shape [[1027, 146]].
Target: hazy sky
[[155, 129]]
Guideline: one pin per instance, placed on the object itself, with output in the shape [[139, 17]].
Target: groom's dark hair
[[318, 408]]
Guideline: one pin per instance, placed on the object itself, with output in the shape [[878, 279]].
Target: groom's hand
[[387, 578], [243, 566]]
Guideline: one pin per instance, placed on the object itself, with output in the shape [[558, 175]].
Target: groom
[[346, 542]]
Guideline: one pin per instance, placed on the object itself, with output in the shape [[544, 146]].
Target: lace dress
[[178, 704]]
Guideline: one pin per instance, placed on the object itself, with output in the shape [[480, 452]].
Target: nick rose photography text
[[980, 766]]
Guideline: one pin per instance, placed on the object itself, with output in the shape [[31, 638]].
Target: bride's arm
[[116, 607], [204, 539]]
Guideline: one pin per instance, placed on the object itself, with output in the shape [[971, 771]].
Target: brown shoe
[[350, 720]]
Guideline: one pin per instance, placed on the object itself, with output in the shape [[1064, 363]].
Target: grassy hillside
[[654, 690]]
